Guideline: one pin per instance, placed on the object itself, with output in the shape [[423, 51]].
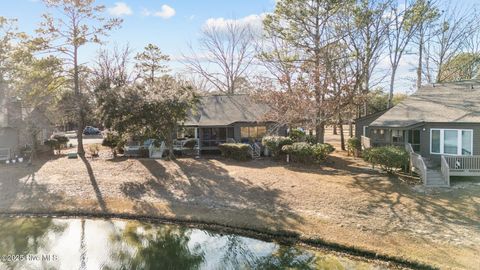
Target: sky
[[170, 24], [174, 24]]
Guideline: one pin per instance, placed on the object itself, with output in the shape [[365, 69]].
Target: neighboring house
[[9, 127], [221, 118], [16, 124], [440, 123]]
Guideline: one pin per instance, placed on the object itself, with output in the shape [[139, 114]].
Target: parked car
[[91, 131]]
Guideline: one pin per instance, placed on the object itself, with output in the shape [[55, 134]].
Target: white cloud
[[120, 9], [166, 12], [255, 21]]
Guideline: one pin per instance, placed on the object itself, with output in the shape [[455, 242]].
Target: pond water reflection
[[49, 243]]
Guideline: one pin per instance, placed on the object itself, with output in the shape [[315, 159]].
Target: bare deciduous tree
[[226, 54], [455, 30], [406, 20], [368, 26], [113, 66]]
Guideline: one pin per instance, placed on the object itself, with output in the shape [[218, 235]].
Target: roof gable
[[222, 110], [449, 102]]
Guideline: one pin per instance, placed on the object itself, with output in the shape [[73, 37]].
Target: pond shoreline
[[283, 237]]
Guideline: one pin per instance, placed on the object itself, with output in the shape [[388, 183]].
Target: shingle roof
[[222, 110], [450, 102]]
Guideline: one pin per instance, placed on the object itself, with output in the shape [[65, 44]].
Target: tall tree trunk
[[342, 136], [350, 129], [392, 85], [171, 137], [420, 60], [78, 95], [320, 132], [335, 129]]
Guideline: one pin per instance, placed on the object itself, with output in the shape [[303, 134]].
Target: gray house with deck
[[440, 127], [229, 118]]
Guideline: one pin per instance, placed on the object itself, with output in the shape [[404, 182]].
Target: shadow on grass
[[93, 181], [19, 187], [436, 211], [203, 183]]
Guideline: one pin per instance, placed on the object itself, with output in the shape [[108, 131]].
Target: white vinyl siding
[[451, 141]]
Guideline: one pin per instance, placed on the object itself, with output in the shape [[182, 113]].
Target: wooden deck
[[433, 175]]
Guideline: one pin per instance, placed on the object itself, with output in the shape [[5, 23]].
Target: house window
[[397, 136], [451, 141], [254, 132]]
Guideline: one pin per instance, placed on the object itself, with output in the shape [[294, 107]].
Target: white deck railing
[[445, 170], [366, 142], [5, 154], [463, 162], [417, 162]]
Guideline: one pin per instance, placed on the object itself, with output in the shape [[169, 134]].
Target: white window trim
[[459, 141]]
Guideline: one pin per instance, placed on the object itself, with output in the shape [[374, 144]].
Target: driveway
[[87, 139]]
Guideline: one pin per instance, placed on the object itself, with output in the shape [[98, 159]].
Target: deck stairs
[[156, 152], [435, 177], [256, 150]]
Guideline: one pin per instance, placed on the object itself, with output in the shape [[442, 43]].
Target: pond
[[56, 243]]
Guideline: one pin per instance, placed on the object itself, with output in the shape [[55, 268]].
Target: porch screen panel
[[450, 144], [435, 141], [222, 134], [466, 142]]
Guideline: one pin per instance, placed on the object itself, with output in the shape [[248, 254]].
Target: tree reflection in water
[[118, 244], [154, 247], [20, 236]]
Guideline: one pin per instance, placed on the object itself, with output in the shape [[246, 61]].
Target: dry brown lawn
[[342, 201]]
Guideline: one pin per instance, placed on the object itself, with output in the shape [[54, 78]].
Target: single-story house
[[440, 123], [227, 118]]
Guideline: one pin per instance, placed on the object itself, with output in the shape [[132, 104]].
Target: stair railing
[[445, 170]]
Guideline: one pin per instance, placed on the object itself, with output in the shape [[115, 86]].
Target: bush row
[[308, 153], [388, 157], [274, 144], [237, 151]]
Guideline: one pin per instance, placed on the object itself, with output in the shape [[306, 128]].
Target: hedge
[[237, 151], [114, 142], [274, 144], [57, 142], [388, 157], [354, 146], [307, 153], [297, 135]]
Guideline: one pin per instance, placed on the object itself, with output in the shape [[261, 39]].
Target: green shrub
[[57, 142], [297, 135], [307, 153], [114, 142], [62, 140], [388, 157], [354, 146], [311, 139], [274, 144], [237, 151], [190, 144]]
